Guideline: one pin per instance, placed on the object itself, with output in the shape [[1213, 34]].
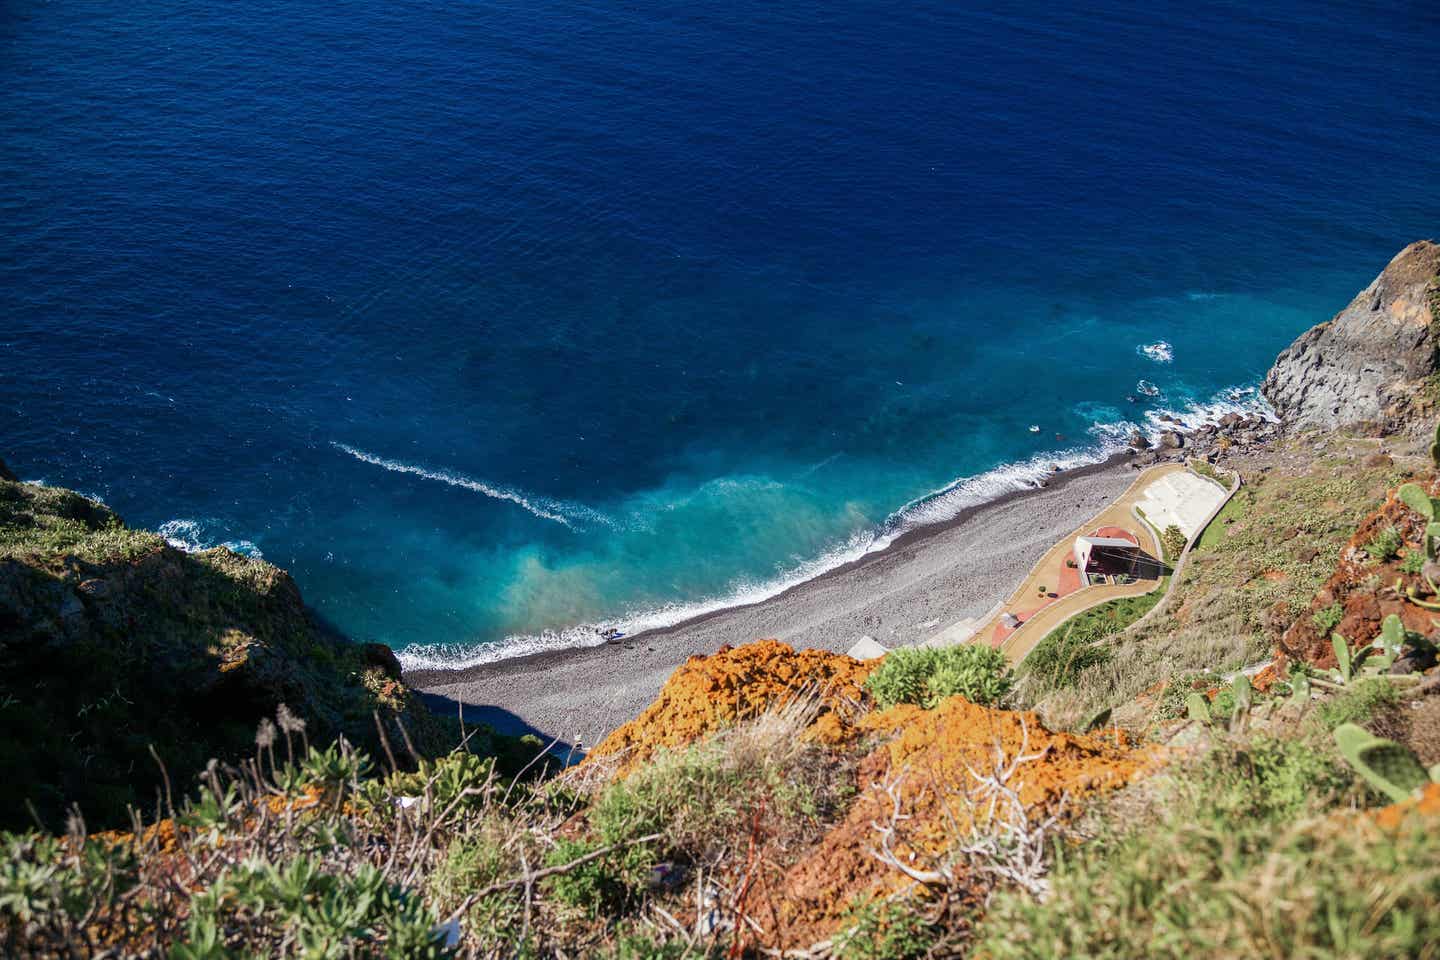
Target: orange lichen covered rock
[[159, 837], [1266, 678], [958, 736], [1425, 805], [931, 763], [736, 683]]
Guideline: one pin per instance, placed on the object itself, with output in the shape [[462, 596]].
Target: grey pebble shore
[[927, 579]]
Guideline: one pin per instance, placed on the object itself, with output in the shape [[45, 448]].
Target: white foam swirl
[[191, 536], [1159, 351]]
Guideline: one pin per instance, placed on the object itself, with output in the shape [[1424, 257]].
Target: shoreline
[[926, 578], [927, 515]]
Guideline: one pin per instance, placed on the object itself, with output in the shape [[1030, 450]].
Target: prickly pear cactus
[[1199, 708], [1243, 696], [1415, 497], [1390, 642], [1387, 766], [1300, 689], [1344, 669]]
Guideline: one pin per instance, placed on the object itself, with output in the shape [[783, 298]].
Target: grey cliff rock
[[1373, 361]]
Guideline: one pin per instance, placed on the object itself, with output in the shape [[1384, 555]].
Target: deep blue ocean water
[[497, 320]]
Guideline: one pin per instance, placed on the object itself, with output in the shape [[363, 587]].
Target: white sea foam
[[939, 506], [40, 482], [1159, 351], [567, 514], [1146, 388], [193, 536], [182, 535]]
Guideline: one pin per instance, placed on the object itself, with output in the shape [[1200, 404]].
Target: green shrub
[[1413, 562], [605, 885], [1223, 706], [980, 674], [41, 880], [1327, 618], [447, 779], [1386, 545], [1237, 865], [926, 676], [1360, 702], [300, 901], [1173, 541], [902, 676], [473, 861], [883, 930], [1272, 778]]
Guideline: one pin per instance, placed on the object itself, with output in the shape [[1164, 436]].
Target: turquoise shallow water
[[500, 324]]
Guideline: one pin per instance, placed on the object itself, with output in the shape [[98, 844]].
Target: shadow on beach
[[501, 721]]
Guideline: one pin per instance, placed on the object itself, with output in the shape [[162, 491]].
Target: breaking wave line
[[542, 507]]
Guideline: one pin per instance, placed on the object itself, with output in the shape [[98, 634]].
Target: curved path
[[1064, 597]]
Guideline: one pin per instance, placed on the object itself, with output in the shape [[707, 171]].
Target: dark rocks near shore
[[379, 655], [5, 473], [1234, 433]]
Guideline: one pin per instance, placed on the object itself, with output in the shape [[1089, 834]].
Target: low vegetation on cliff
[[782, 803], [121, 655]]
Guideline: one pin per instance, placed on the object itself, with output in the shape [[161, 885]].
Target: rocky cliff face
[[112, 641], [1374, 362]]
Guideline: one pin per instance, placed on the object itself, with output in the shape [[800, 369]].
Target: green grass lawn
[[1215, 533]]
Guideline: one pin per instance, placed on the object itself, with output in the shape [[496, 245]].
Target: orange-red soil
[[1425, 805], [1363, 586]]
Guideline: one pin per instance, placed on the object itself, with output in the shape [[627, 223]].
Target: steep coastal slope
[[112, 641]]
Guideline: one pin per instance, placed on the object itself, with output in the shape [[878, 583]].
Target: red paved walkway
[[1067, 581]]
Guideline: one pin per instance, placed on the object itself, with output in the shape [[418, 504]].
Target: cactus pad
[[1415, 497], [1387, 766]]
